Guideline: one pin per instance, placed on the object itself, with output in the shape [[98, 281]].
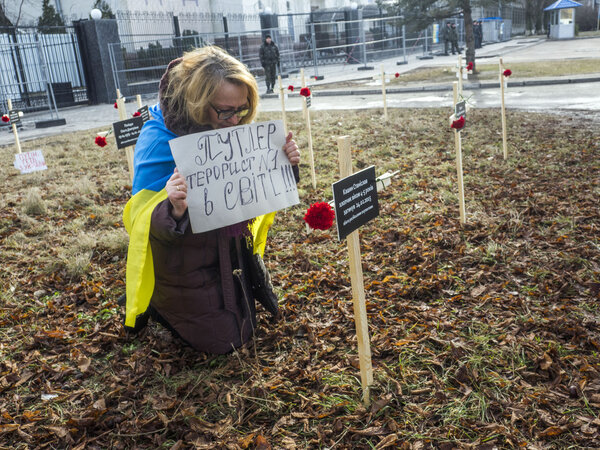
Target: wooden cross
[[461, 73], [128, 150], [311, 157], [459, 168], [358, 289], [385, 112], [503, 84], [282, 97], [14, 127]]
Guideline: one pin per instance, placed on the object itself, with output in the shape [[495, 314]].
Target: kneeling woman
[[197, 285]]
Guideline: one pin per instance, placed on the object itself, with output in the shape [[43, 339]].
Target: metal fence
[[40, 70], [144, 25], [304, 40]]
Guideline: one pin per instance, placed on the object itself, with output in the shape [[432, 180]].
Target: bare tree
[[5, 21], [421, 13]]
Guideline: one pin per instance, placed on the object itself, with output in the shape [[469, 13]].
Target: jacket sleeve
[[164, 227], [277, 53]]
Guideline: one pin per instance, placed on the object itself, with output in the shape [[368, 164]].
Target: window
[[566, 16]]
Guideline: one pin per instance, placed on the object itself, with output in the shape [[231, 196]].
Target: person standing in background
[[477, 33], [269, 60], [446, 37], [454, 39]]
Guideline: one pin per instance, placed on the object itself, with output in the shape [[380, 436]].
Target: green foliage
[[50, 21]]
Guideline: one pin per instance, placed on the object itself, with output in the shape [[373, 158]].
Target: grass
[[490, 71], [478, 332], [487, 72]]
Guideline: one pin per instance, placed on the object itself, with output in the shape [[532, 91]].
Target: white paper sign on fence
[[31, 161], [235, 174]]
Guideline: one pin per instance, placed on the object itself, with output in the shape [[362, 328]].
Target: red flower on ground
[[458, 123], [5, 118], [291, 87], [137, 114], [116, 106], [319, 216], [507, 73], [470, 66], [100, 141], [305, 92], [397, 75]]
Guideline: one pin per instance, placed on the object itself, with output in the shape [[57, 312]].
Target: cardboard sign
[[235, 174], [13, 115], [127, 131], [144, 113], [460, 109], [28, 162], [356, 201]]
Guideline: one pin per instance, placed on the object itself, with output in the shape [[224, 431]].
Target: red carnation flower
[[5, 118], [291, 87], [137, 114], [100, 141], [116, 106], [319, 216], [397, 75], [507, 73], [458, 123], [470, 66], [305, 92]]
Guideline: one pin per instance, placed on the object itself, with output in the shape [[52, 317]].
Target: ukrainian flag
[[153, 166]]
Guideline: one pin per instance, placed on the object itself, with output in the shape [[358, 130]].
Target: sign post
[[14, 120], [459, 107], [311, 158], [502, 87], [352, 206]]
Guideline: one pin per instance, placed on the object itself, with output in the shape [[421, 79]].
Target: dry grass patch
[[484, 335]]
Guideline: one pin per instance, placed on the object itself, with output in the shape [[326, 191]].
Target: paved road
[[574, 97], [566, 97]]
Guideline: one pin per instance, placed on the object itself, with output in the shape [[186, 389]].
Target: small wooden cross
[[461, 72]]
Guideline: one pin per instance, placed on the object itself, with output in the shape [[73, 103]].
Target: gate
[[40, 70]]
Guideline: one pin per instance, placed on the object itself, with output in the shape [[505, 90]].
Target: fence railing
[[38, 69], [138, 65]]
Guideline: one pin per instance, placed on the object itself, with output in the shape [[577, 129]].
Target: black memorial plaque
[[13, 115], [144, 113], [127, 131], [460, 109], [355, 201]]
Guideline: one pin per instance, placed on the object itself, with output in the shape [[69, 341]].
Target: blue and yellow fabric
[[153, 166]]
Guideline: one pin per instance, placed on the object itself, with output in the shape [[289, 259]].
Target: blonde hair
[[193, 83]]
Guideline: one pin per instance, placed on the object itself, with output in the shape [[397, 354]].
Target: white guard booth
[[562, 21]]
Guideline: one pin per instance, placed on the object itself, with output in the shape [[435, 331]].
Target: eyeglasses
[[225, 114]]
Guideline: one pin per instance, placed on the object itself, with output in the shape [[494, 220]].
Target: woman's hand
[[177, 194], [291, 150]]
